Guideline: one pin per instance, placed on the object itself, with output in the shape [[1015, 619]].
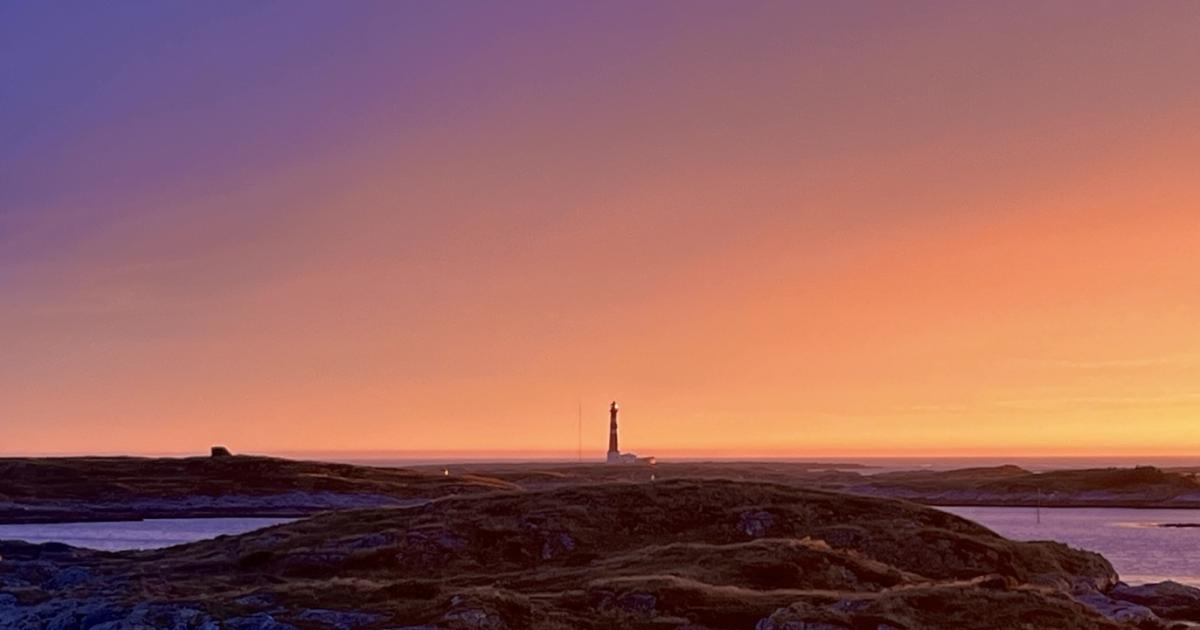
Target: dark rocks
[[256, 601], [1116, 610], [642, 603], [258, 621], [474, 618], [768, 624], [488, 609], [166, 616], [101, 614], [339, 619], [1170, 600], [67, 578], [756, 523], [429, 547], [58, 614], [370, 541], [311, 563], [946, 606], [555, 545]]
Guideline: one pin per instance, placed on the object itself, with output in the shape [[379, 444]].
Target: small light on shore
[[445, 472]]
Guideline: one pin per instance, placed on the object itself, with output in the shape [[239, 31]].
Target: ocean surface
[[147, 534], [863, 465], [1132, 539]]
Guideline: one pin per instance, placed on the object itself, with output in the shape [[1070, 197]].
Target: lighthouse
[[614, 453], [615, 456]]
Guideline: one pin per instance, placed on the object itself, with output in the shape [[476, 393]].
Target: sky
[[765, 228]]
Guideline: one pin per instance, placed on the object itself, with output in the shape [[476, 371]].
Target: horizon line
[[510, 456]]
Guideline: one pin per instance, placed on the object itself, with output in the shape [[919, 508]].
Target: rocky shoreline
[[1086, 499], [681, 546], [1011, 486], [292, 504], [694, 554]]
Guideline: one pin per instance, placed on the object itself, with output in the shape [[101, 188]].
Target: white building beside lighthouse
[[615, 456]]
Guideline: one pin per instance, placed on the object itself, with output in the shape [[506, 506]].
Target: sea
[[864, 465], [1143, 545], [153, 533]]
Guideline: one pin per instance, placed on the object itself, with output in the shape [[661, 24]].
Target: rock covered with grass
[[683, 553]]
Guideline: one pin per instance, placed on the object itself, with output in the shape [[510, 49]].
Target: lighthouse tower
[[614, 453], [615, 456]]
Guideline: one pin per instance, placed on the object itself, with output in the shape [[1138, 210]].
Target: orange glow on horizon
[[970, 231]]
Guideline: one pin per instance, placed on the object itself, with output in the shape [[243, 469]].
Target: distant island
[[63, 489], [1140, 487]]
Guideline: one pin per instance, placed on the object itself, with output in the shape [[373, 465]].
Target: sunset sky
[[767, 229]]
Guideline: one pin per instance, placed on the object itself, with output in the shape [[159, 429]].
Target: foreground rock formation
[[675, 554]]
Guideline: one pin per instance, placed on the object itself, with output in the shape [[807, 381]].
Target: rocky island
[[547, 548], [58, 489], [1141, 487]]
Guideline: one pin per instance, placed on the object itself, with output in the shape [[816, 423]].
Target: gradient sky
[[765, 228]]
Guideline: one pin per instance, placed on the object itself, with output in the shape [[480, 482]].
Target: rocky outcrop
[[985, 603], [676, 554], [284, 504], [1169, 600]]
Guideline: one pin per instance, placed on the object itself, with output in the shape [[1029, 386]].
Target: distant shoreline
[[902, 462], [113, 489]]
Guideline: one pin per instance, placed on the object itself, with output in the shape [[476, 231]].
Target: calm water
[[1130, 539], [873, 464], [147, 534]]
